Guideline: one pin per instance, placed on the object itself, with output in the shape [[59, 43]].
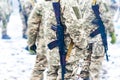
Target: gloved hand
[[113, 37], [31, 49]]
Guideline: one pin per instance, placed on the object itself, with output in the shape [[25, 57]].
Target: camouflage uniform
[[5, 11], [36, 36], [54, 69], [25, 9], [39, 28], [79, 27]]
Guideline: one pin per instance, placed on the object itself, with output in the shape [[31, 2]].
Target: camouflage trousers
[[4, 27], [54, 67], [24, 19], [55, 72], [92, 62], [39, 67], [4, 19], [90, 66]]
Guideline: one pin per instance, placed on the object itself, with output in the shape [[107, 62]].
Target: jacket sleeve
[[74, 26], [34, 24]]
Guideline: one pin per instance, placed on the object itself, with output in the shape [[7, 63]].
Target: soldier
[[5, 11], [86, 16], [40, 21], [25, 7]]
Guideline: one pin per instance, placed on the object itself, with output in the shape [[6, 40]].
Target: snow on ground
[[17, 64], [111, 69]]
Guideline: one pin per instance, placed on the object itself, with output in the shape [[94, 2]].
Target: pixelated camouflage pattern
[[76, 29], [80, 29], [36, 36], [43, 14]]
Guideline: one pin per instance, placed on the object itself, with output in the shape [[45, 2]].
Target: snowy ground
[[17, 64]]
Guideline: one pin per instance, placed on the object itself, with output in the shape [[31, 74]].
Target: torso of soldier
[[80, 24], [48, 19]]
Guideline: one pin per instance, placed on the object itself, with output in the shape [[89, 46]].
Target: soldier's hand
[[113, 37], [31, 49]]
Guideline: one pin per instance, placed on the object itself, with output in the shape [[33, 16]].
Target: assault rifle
[[59, 29], [101, 28]]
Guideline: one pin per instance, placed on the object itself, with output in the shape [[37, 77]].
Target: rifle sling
[[69, 50]]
